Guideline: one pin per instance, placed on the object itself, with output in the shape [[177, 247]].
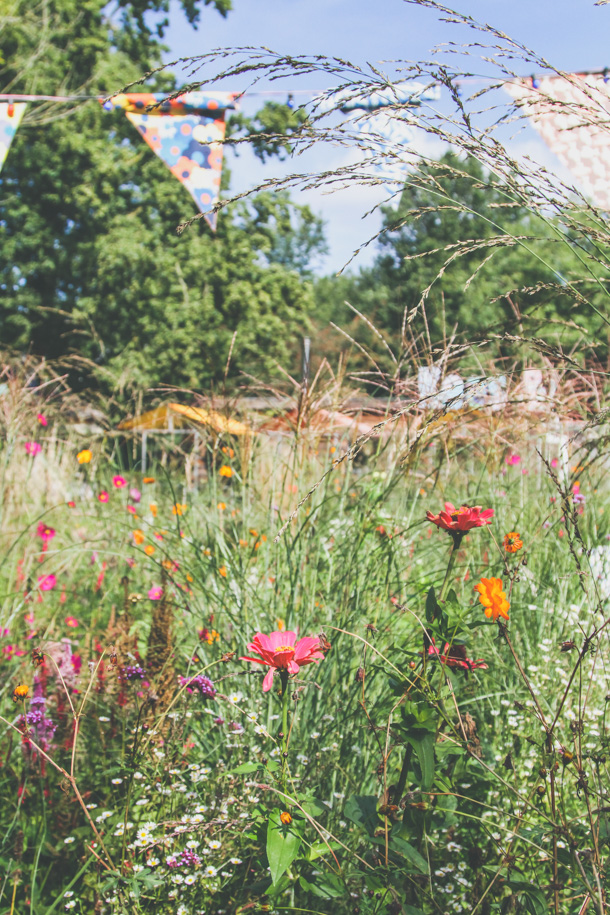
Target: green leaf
[[283, 843], [362, 809], [411, 854], [532, 898], [245, 768], [314, 806], [424, 748], [432, 607], [326, 887]]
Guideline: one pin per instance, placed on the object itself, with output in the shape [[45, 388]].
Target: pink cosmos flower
[[461, 519], [42, 419], [155, 593], [47, 582], [103, 496], [32, 448], [278, 651], [131, 509], [134, 494], [71, 621], [45, 532], [119, 482], [513, 459]]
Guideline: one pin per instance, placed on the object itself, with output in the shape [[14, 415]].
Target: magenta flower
[[155, 593], [103, 496], [45, 532], [32, 448], [513, 459], [278, 651], [47, 582], [135, 495], [119, 482], [42, 419]]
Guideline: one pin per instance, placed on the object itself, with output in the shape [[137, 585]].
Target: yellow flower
[[493, 598], [83, 457], [225, 471], [20, 692]]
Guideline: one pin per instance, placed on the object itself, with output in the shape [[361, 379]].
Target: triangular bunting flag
[[187, 133], [10, 118], [572, 115]]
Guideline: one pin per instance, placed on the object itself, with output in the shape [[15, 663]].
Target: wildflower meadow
[[392, 700], [333, 640]]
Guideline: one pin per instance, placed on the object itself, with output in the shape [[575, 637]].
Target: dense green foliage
[[91, 265]]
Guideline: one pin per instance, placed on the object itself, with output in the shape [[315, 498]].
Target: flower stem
[[285, 698], [456, 537]]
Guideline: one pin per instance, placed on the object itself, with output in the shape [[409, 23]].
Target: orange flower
[[20, 692], [148, 480], [149, 550], [513, 542], [221, 506], [153, 509], [179, 508], [225, 471], [229, 451], [83, 457], [493, 598], [138, 537], [223, 571], [285, 818]]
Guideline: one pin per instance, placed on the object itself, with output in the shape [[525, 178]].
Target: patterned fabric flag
[[572, 115], [187, 133], [10, 117]]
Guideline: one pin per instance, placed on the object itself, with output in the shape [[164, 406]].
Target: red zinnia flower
[[455, 656], [279, 652], [461, 519]]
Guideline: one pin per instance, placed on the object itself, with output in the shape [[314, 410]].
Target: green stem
[[285, 698], [457, 537]]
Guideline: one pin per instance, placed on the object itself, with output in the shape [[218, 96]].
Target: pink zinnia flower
[[278, 651], [461, 519], [42, 419], [47, 582], [513, 459], [119, 482], [103, 496], [45, 532], [155, 593], [32, 448]]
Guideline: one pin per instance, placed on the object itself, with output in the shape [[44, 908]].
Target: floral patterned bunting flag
[[10, 118], [187, 133]]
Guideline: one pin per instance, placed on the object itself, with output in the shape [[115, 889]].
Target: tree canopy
[[91, 266]]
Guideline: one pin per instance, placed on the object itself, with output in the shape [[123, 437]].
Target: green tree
[[480, 261], [91, 265]]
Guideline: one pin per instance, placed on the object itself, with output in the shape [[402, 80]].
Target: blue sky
[[572, 34]]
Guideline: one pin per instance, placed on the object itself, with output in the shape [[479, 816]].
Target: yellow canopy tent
[[172, 416]]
